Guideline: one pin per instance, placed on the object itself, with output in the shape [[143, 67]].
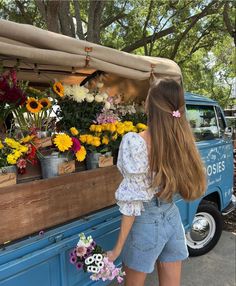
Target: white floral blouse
[[135, 187]]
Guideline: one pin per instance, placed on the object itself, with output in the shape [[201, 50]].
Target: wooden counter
[[30, 207]]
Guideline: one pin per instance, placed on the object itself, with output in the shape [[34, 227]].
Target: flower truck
[[45, 207]]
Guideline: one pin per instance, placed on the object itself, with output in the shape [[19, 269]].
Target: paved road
[[216, 268]]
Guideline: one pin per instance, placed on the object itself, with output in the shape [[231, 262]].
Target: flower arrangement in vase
[[60, 160]]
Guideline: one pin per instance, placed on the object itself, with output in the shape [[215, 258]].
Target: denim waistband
[[155, 201]]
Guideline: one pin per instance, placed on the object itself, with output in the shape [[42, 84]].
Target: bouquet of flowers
[[70, 144], [79, 106], [17, 152], [90, 257]]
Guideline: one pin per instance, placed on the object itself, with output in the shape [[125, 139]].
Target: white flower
[[89, 97], [81, 243], [79, 93], [68, 90], [105, 95], [107, 105], [100, 84], [98, 98]]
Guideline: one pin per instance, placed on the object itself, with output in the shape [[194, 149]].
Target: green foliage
[[75, 114]]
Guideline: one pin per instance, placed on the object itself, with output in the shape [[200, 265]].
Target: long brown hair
[[175, 163]]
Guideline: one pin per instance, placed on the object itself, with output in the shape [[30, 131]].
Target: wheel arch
[[214, 197]]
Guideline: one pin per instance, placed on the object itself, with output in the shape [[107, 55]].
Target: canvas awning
[[42, 55]]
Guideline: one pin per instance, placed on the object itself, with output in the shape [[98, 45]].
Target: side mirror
[[228, 132]]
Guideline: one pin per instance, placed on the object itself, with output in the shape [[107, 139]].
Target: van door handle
[[56, 238]]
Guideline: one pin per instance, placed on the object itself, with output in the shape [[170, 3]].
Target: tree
[[187, 31]]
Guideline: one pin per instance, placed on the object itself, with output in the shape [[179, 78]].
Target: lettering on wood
[[105, 161], [66, 167]]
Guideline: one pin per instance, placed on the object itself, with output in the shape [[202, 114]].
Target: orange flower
[[58, 88]]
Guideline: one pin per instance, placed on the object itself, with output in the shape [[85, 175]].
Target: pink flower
[[21, 163], [76, 144], [120, 279], [81, 251], [73, 260], [176, 114]]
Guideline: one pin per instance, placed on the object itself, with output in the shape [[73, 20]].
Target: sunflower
[[58, 88], [81, 154], [33, 105], [45, 102], [63, 142]]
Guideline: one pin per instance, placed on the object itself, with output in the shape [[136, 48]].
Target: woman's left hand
[[112, 255]]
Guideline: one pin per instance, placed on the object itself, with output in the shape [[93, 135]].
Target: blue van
[[44, 260]]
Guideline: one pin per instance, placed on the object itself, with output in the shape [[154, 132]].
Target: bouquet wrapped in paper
[[90, 257]]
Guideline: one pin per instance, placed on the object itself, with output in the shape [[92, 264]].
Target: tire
[[209, 221]]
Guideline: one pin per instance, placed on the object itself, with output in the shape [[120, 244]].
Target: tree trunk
[[66, 21], [49, 11], [94, 20]]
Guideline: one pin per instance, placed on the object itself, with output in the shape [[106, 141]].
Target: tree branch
[[229, 27], [79, 31], [189, 27], [21, 7]]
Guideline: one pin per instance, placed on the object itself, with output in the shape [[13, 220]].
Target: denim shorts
[[157, 235]]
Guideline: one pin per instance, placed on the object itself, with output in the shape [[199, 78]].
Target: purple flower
[[74, 251], [72, 254], [79, 265], [89, 250], [86, 255], [76, 144], [93, 243], [73, 259]]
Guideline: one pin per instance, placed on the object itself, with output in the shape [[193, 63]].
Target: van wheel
[[206, 229]]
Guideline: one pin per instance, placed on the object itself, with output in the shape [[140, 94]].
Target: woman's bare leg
[[169, 273], [134, 278]]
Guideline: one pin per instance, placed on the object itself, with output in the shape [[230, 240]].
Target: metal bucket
[[8, 169], [93, 158], [50, 165]]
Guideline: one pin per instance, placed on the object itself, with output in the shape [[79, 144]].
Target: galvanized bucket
[[50, 164], [93, 158], [8, 169]]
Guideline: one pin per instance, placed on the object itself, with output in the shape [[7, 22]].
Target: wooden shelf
[[29, 207]]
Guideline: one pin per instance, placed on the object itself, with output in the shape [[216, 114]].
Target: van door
[[205, 219]]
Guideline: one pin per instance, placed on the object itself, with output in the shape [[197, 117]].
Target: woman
[[157, 164]]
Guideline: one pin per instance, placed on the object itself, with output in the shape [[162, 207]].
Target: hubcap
[[202, 231]]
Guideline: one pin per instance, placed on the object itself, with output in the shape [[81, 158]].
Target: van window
[[221, 121], [203, 122]]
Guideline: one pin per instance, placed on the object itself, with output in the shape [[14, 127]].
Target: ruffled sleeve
[[133, 165]]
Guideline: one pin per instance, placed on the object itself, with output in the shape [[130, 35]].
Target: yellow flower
[[89, 139], [74, 131], [63, 142], [92, 128], [32, 105], [98, 128], [11, 159], [128, 123], [135, 129], [12, 143], [27, 139], [112, 127], [83, 138], [45, 102], [58, 89], [1, 145], [120, 130], [81, 154], [105, 140], [96, 141], [23, 149], [141, 126], [16, 154]]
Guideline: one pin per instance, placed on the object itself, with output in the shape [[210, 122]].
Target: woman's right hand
[[112, 255]]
